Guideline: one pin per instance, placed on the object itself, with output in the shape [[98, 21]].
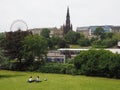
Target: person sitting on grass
[[38, 79], [30, 79]]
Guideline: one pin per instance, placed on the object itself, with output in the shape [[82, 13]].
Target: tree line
[[21, 50]]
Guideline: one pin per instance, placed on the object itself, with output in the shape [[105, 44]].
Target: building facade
[[84, 31], [53, 31], [89, 30], [115, 29]]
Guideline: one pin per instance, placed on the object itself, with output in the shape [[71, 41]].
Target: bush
[[98, 44], [84, 42], [70, 61], [16, 66], [109, 43], [106, 43], [98, 63], [57, 68]]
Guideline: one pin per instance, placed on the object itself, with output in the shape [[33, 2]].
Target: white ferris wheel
[[19, 25]]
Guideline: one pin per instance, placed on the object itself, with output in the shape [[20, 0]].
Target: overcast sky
[[52, 13]]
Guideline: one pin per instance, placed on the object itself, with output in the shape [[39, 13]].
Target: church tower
[[68, 26]]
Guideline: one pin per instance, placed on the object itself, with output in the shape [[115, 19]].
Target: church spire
[[68, 14], [68, 17], [68, 25]]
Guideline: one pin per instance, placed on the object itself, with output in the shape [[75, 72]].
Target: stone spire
[[68, 25]]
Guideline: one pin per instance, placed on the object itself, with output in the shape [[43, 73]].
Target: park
[[89, 70], [13, 80], [59, 45]]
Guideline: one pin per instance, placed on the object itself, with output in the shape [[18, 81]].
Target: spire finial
[[68, 15]]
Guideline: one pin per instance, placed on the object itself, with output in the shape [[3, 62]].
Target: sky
[[52, 13]]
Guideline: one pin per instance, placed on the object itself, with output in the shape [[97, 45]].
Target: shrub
[[57, 68], [84, 42], [98, 63], [69, 61], [109, 43]]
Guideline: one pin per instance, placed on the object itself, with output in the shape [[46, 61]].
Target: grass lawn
[[77, 46], [10, 80]]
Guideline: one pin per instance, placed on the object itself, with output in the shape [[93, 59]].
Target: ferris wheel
[[19, 25]]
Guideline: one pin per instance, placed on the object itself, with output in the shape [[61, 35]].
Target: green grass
[[10, 80], [77, 46]]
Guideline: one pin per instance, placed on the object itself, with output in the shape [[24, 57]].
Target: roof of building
[[80, 49], [82, 28], [115, 27]]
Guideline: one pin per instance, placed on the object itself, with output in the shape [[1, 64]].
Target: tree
[[62, 44], [55, 39], [3, 59], [99, 32], [109, 35], [109, 42], [34, 46], [45, 33], [116, 36], [2, 37], [72, 37], [13, 44], [50, 43], [84, 42]]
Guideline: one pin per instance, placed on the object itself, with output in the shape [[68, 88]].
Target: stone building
[[115, 29], [83, 30], [89, 31], [53, 31]]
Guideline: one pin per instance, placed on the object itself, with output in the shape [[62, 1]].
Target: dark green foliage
[[3, 60], [100, 33], [69, 61], [34, 46], [103, 40], [109, 42], [24, 66], [55, 40], [57, 68], [98, 63], [50, 43], [109, 35], [98, 44], [13, 44], [116, 36], [62, 44], [72, 37], [106, 43], [2, 37], [34, 66], [84, 42], [45, 33], [114, 66]]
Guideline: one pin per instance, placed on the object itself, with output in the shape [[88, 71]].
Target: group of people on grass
[[35, 80]]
